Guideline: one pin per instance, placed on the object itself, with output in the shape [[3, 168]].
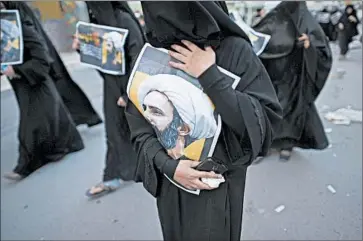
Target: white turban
[[192, 104], [116, 38]]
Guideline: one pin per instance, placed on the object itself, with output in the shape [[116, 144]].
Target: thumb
[[208, 49], [193, 163]]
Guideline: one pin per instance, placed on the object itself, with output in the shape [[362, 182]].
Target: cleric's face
[[158, 110], [109, 44]]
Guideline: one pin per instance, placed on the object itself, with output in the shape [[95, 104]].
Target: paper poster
[[102, 47], [258, 40], [12, 46], [182, 115]]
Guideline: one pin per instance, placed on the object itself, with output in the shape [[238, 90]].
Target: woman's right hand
[[186, 175], [341, 26], [75, 44]]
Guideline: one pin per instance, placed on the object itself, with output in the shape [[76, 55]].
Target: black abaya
[[46, 130], [349, 30], [120, 157], [298, 74], [249, 115], [73, 97]]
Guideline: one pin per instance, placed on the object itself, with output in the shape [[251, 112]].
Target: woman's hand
[[188, 177], [352, 19], [75, 44], [121, 102], [341, 26], [9, 72], [194, 61], [306, 40]]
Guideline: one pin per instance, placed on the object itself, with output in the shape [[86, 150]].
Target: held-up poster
[[102, 47], [182, 115], [258, 40], [12, 46]]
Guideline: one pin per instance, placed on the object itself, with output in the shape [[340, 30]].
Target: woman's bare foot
[[13, 176]]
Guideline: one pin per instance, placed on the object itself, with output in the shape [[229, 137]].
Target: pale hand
[[194, 61], [9, 72], [341, 26], [306, 40], [75, 44], [121, 102], [352, 19], [189, 178]]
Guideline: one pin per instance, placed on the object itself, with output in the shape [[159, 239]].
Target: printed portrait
[[182, 115]]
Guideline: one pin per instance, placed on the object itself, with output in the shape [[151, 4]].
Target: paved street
[[284, 201]]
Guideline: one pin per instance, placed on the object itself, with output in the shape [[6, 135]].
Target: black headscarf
[[104, 12], [203, 23], [345, 17]]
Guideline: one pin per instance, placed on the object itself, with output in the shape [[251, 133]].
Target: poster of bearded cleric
[[11, 38], [182, 115], [102, 47]]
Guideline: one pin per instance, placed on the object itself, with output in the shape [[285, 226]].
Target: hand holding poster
[[11, 38], [182, 115], [102, 47]]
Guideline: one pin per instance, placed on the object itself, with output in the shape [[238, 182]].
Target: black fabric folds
[[73, 97], [120, 159], [298, 74], [46, 130], [204, 23]]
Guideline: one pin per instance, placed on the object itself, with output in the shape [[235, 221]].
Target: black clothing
[[298, 74], [46, 130], [249, 114], [73, 97], [120, 157], [349, 31]]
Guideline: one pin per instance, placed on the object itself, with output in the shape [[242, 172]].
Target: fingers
[[181, 50], [193, 163], [198, 184], [190, 45], [199, 174], [178, 66], [209, 49], [303, 37], [178, 56]]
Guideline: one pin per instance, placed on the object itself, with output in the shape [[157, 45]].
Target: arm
[[36, 68], [151, 156], [252, 109]]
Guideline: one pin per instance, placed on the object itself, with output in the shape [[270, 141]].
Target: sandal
[[103, 188]]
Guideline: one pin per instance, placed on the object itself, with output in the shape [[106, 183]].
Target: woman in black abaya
[[73, 97], [347, 29], [46, 131], [120, 158], [249, 114], [298, 59]]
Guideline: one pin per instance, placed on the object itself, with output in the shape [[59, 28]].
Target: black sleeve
[[252, 108], [36, 67], [152, 157], [133, 46]]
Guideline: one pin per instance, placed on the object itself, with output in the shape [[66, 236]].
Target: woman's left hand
[[352, 19], [121, 102], [194, 61], [306, 40], [9, 72]]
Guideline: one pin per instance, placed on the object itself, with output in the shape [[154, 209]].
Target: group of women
[[272, 106]]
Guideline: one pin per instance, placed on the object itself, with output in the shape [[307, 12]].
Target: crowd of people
[[272, 107]]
